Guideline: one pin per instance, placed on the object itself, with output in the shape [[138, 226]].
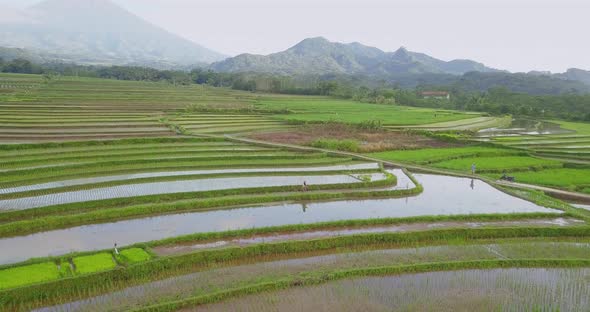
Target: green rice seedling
[[93, 263], [28, 274], [132, 255], [430, 155], [498, 164]]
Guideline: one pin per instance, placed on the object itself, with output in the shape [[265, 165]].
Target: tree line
[[495, 100]]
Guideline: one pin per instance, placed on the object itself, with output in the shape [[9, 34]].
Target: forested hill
[[318, 56]]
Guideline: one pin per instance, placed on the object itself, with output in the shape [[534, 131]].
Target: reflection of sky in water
[[155, 188], [442, 196], [525, 127], [143, 175]]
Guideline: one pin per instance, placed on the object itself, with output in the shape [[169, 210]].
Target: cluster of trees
[[20, 66]]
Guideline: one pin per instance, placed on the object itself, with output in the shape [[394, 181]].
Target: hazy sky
[[518, 35]]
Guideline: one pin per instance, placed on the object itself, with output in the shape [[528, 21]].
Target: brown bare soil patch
[[369, 140]]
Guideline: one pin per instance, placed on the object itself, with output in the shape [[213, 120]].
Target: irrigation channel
[[443, 195]]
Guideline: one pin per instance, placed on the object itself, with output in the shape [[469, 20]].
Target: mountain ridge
[[318, 55]]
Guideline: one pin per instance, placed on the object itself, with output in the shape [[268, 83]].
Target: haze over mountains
[[99, 32], [96, 32], [320, 56]]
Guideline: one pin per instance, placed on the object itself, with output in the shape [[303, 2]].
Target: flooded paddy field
[[442, 195], [241, 242], [269, 269], [470, 290], [156, 188], [362, 166]]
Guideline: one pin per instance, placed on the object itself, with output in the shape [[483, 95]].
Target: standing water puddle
[[443, 195]]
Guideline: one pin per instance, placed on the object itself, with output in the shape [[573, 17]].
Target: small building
[[441, 95]]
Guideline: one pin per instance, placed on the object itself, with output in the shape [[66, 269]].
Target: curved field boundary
[[71, 288], [418, 168], [301, 281], [171, 187], [135, 176]]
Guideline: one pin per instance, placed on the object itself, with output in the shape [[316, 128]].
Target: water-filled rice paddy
[[253, 272], [442, 196], [157, 188], [471, 290]]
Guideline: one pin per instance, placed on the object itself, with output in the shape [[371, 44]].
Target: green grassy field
[[430, 155], [566, 177], [28, 274], [498, 164], [310, 109], [93, 263], [133, 255]]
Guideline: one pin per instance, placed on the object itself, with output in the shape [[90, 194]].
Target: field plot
[[569, 141], [69, 108], [432, 155], [199, 218], [469, 124], [498, 164], [488, 290], [227, 124], [310, 109]]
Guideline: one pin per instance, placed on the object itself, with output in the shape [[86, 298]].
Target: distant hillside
[[519, 82], [575, 74], [320, 56], [97, 32]]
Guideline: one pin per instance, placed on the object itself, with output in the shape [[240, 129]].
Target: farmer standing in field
[[473, 168]]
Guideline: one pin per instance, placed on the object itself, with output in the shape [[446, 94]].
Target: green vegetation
[[133, 255], [306, 109], [67, 289], [93, 263], [28, 274], [339, 145], [431, 155], [498, 164], [87, 135], [568, 178]]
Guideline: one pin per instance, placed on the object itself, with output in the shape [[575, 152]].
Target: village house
[[435, 95]]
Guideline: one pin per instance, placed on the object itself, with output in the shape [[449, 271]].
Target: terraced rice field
[[227, 124], [195, 220], [469, 124], [314, 109], [469, 290], [569, 141]]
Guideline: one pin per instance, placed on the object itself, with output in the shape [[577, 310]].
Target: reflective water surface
[[442, 195], [469, 290]]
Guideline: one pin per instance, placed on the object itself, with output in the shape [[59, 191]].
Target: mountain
[[320, 56], [97, 32]]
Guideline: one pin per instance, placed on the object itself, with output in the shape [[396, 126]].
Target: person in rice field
[[304, 189], [473, 168], [116, 250]]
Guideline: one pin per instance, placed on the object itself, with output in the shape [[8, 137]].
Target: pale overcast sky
[[518, 35]]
